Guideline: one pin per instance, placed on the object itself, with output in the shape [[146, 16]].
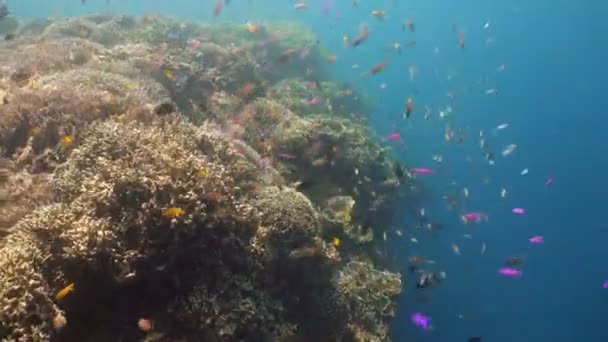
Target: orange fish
[[64, 291], [173, 212], [252, 28], [332, 58], [376, 69], [218, 8]]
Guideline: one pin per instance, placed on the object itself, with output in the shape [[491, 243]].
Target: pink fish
[[549, 181], [394, 136], [510, 272], [313, 101], [326, 6], [473, 217], [605, 284], [311, 84], [422, 171], [518, 211], [537, 239]]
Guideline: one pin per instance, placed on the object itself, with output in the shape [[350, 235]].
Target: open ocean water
[[538, 68]]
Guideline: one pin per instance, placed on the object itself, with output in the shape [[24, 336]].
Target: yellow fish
[[203, 172], [336, 241], [169, 74], [67, 140], [64, 291], [36, 130], [173, 212]]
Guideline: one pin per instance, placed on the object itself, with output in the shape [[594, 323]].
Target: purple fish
[[519, 211], [421, 320], [510, 272], [537, 239], [605, 284], [326, 6]]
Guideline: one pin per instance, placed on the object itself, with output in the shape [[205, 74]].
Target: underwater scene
[[303, 170]]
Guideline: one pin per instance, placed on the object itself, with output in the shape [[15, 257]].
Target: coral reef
[[176, 173]]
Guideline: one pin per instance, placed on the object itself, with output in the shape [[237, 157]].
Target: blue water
[[552, 93]]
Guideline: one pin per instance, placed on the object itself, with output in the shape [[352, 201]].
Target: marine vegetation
[[155, 186]]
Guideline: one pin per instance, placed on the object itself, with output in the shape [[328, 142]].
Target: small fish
[[409, 107], [409, 24], [492, 91], [524, 172], [379, 14], [363, 34], [513, 261], [252, 27], [376, 68], [300, 6], [313, 101], [173, 212], [537, 239], [486, 25], [465, 192], [394, 136], [218, 8], [10, 36], [518, 211], [483, 248], [502, 126], [421, 320], [422, 171], [203, 173], [510, 272], [336, 242], [605, 284], [67, 140], [145, 324], [549, 181], [474, 339], [414, 240], [473, 217], [509, 149], [503, 192], [64, 291], [455, 249]]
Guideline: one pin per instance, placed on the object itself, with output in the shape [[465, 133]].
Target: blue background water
[[552, 94]]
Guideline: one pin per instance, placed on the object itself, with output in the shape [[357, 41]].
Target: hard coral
[[369, 293], [288, 220]]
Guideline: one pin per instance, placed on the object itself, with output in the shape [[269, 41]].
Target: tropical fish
[[64, 291], [509, 149], [510, 272], [218, 8], [363, 34], [421, 320], [409, 107], [518, 211], [394, 136], [336, 241], [537, 239], [173, 212], [473, 217], [422, 170], [379, 14]]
